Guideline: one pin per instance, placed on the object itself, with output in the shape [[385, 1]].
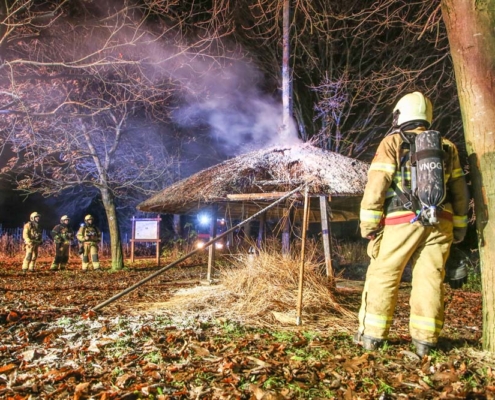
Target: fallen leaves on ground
[[53, 346]]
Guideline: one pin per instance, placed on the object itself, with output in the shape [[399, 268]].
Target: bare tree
[[88, 108], [351, 60]]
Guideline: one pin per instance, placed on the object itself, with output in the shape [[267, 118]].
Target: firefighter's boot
[[423, 348], [368, 342]]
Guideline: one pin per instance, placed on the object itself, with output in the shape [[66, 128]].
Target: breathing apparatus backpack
[[427, 189]]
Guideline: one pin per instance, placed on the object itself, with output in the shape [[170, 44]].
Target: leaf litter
[[174, 338]]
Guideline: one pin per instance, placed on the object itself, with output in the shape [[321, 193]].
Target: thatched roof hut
[[245, 184]]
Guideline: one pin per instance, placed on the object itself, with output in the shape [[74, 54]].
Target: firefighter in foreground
[[32, 236], [414, 206], [62, 235], [89, 236]]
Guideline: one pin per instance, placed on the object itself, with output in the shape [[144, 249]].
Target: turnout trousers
[[90, 249], [61, 256], [30, 257], [427, 249]]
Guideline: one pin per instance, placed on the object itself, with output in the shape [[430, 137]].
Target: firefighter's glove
[[456, 270], [459, 234], [372, 235]]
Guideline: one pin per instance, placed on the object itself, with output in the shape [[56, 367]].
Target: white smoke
[[219, 86], [224, 92], [240, 118]]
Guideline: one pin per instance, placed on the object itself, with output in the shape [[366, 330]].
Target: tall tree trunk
[[113, 226], [286, 74], [470, 30]]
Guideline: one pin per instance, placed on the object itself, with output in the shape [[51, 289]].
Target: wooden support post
[[326, 236], [261, 231], [177, 227], [158, 241], [132, 238], [230, 236], [303, 251], [211, 249], [286, 232]]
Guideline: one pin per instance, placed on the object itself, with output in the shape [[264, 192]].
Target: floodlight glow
[[204, 219]]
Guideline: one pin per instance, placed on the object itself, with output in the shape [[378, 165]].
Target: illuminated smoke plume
[[239, 116], [218, 88]]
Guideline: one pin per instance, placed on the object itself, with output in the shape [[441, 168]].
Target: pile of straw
[[262, 290]]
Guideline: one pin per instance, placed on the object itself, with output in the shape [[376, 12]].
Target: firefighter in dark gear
[[32, 236], [89, 235], [62, 235], [397, 236]]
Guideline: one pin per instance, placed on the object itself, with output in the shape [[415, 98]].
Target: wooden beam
[[259, 196]]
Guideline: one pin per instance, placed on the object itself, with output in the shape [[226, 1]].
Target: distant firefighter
[[89, 236], [32, 240], [62, 235]]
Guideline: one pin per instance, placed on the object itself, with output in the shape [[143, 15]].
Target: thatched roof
[[245, 184]]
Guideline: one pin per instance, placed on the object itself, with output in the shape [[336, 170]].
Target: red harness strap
[[406, 218]]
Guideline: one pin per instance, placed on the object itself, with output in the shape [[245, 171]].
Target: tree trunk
[[470, 30], [286, 75], [113, 226]]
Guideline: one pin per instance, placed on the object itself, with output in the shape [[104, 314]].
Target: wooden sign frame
[[146, 230]]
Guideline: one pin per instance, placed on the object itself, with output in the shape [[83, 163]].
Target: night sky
[[16, 208]]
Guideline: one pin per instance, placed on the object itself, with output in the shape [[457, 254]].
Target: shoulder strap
[[408, 203], [407, 198]]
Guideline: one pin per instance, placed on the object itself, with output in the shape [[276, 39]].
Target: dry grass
[[262, 290], [351, 252]]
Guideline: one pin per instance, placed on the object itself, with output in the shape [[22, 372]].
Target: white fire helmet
[[34, 215], [414, 107]]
